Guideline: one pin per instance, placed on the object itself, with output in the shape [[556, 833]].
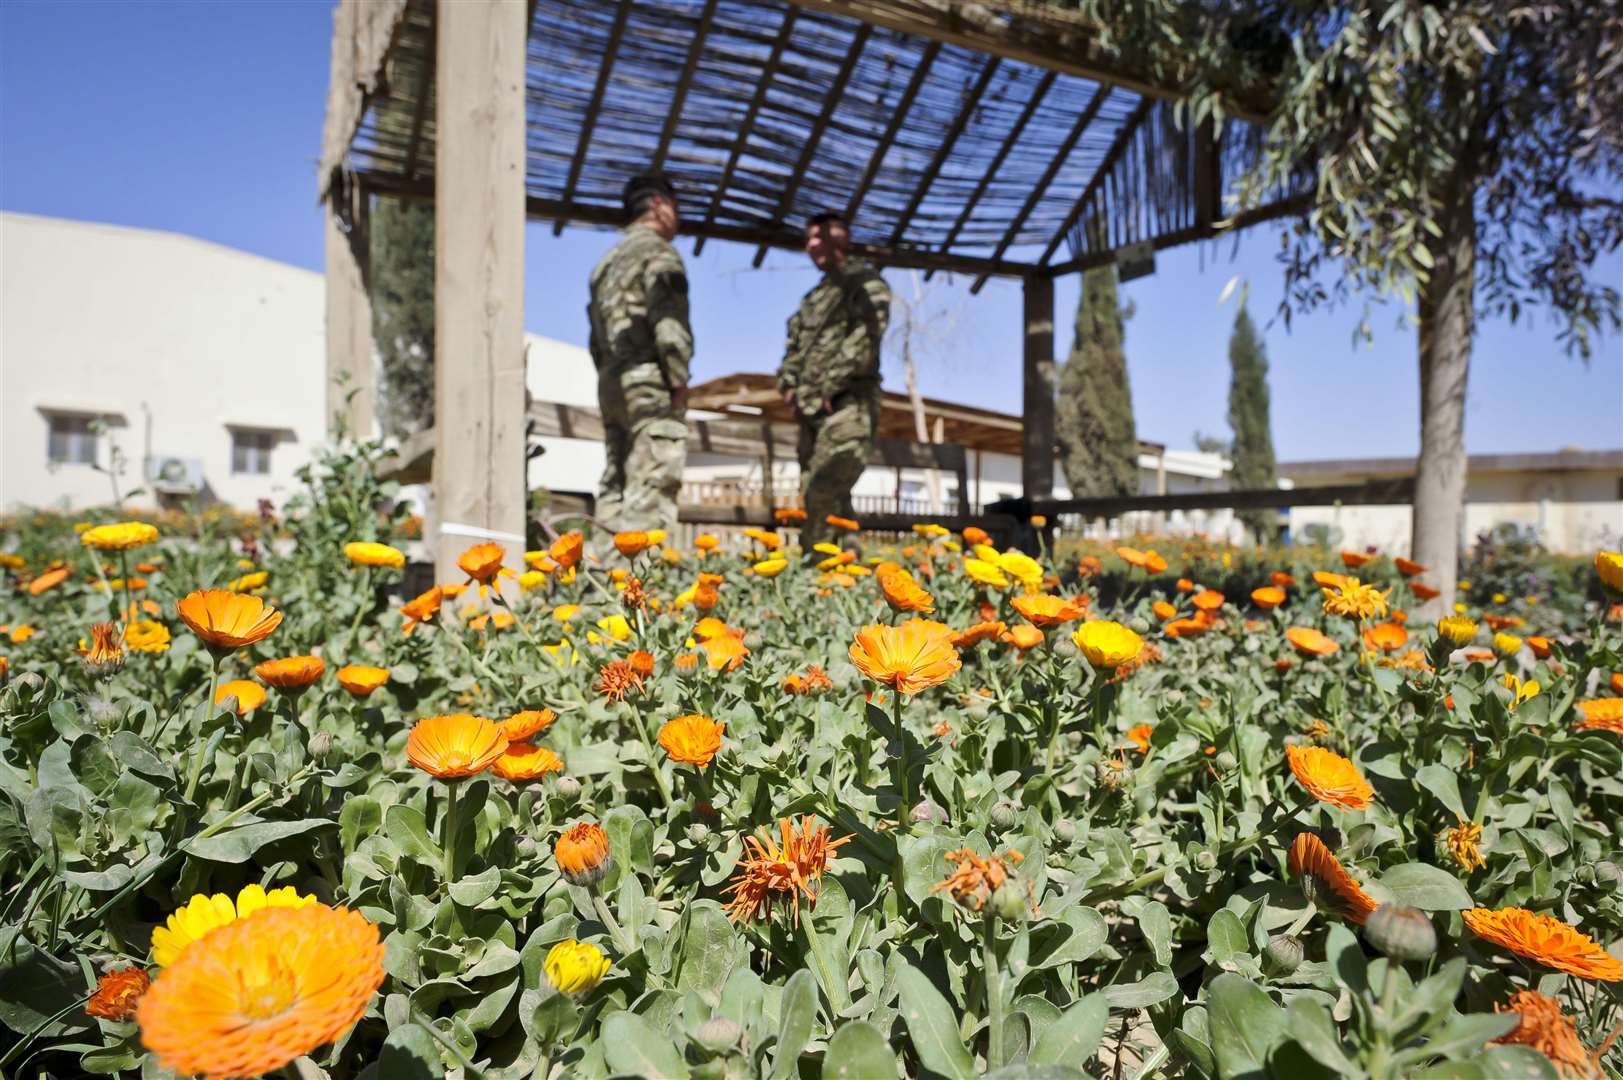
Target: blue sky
[[205, 118]]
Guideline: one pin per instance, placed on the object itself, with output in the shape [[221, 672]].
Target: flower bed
[[871, 810]]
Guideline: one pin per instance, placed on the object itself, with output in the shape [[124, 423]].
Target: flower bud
[[1584, 874], [527, 848], [319, 746], [1402, 933], [1225, 762], [1004, 814], [719, 1033], [1205, 861], [1283, 955], [582, 854], [1113, 773], [1009, 902], [1608, 873], [1065, 830], [698, 832], [567, 787], [927, 811], [103, 713], [1139, 625]]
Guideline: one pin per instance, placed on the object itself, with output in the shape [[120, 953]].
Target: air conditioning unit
[[175, 475]]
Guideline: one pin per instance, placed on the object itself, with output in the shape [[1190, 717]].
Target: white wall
[[165, 333]]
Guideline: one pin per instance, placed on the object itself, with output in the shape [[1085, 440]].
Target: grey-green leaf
[[1429, 888], [931, 1026], [1074, 1037], [1244, 1023], [631, 1045], [859, 1052], [797, 1015]]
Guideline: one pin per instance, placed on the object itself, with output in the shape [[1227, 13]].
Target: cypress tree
[[1253, 447], [403, 313], [1097, 437]]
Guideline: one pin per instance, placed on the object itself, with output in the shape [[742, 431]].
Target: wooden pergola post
[[1038, 442], [350, 375], [479, 483]]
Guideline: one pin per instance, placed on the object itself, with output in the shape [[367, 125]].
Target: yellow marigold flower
[[1463, 843], [146, 636], [248, 695], [770, 568], [1609, 565], [227, 620], [769, 872], [1325, 881], [118, 993], [204, 913], [1542, 1026], [1022, 567], [248, 583], [362, 679], [20, 634], [986, 573], [366, 553], [1506, 644], [1457, 628], [1601, 714], [656, 536], [11, 561], [256, 994], [120, 537], [582, 853], [1355, 600], [615, 626], [575, 967], [691, 739], [1107, 644], [1329, 777], [566, 612], [531, 580], [909, 658], [454, 746], [1545, 940], [522, 761], [1520, 691]]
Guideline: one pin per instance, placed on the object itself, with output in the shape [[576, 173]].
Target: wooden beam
[[961, 121], [1037, 446], [350, 369], [683, 83], [831, 101], [1286, 207], [1399, 492], [1117, 147], [1000, 526], [1040, 188], [768, 72], [479, 281], [1015, 131], [425, 83], [611, 52], [897, 117]]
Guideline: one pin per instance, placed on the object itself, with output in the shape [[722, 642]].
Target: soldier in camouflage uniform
[[830, 372], [641, 344]]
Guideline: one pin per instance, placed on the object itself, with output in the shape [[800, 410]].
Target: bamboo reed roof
[[951, 143]]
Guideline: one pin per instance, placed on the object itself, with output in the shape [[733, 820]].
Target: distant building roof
[[1569, 460], [751, 393]]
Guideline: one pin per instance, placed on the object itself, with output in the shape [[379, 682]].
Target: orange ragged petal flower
[[691, 739], [1325, 882], [423, 608], [910, 658], [1542, 1026], [454, 746], [227, 620], [975, 878], [118, 993], [768, 871], [1041, 609], [523, 725], [1140, 736], [582, 853], [1545, 940], [252, 996], [1329, 777]]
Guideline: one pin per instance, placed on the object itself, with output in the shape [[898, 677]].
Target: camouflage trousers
[[834, 448], [645, 441]]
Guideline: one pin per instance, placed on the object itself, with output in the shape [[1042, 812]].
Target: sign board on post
[[1135, 261]]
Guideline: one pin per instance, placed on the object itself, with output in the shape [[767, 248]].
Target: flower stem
[[904, 806], [653, 764], [601, 906], [202, 743], [449, 844], [994, 992]]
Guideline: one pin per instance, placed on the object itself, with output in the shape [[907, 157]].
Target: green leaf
[[859, 1052], [1444, 786], [1466, 1033], [408, 831], [476, 889], [1155, 922], [1515, 1063], [1429, 888], [361, 816], [410, 1053], [709, 951], [797, 1015], [1154, 987], [1245, 1025], [239, 844], [1315, 1032], [1075, 1036], [1035, 1072], [35, 986], [631, 1045], [1227, 936], [931, 1026], [1346, 959]]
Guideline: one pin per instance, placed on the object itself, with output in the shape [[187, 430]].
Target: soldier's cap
[[828, 217], [644, 186]]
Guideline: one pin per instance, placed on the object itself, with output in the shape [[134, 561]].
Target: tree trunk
[[1446, 317]]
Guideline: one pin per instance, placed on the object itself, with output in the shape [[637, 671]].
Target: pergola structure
[[990, 139]]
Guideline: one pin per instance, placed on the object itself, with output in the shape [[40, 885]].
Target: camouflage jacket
[[639, 307], [834, 338]]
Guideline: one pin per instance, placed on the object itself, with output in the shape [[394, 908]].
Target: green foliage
[[1097, 437], [403, 313], [1253, 447]]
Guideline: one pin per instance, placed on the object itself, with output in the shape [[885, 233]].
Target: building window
[[251, 451], [72, 440]]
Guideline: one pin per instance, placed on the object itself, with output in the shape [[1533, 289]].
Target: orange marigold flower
[[789, 515], [642, 662], [1041, 609], [565, 550], [691, 739], [1163, 610], [814, 681], [454, 746], [1329, 777], [253, 995], [1615, 682], [118, 992], [686, 662], [362, 679], [522, 761], [712, 627], [1089, 566], [1354, 559], [1282, 579], [1184, 628], [768, 871], [1132, 556], [1546, 940], [1268, 597], [1023, 637], [1387, 637], [1328, 579], [1154, 563], [482, 562], [1309, 642], [1408, 567], [1545, 1028], [1324, 881], [247, 694], [982, 631], [616, 679], [1423, 591], [227, 620], [974, 534], [1208, 600], [1602, 714], [1141, 737], [522, 726], [909, 658], [724, 652], [974, 879], [423, 608], [1184, 585], [291, 673], [47, 581], [903, 593], [847, 524], [631, 542], [1541, 649], [582, 853]]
